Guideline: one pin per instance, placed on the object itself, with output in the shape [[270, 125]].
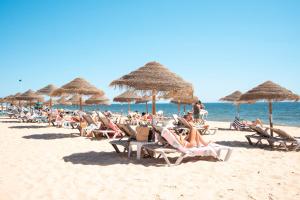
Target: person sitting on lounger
[[194, 137]]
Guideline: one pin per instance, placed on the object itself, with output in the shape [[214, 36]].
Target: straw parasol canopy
[[153, 77], [29, 95], [185, 100], [63, 101], [270, 92], [234, 98], [51, 101], [78, 86], [98, 99], [75, 99], [47, 90], [145, 99], [127, 96]]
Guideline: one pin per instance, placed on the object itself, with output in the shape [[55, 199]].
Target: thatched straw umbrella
[[97, 100], [78, 86], [127, 97], [144, 99], [30, 96], [155, 78], [234, 98], [47, 90], [51, 101], [185, 101], [270, 92], [63, 101]]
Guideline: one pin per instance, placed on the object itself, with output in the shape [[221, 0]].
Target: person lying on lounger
[[257, 122]]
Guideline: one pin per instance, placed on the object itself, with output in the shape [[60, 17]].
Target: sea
[[284, 113]]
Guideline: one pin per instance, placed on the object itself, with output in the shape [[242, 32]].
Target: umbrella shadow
[[27, 127], [112, 158], [49, 136]]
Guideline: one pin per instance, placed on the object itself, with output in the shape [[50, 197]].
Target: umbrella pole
[[178, 107], [270, 117], [80, 103], [153, 102], [146, 106]]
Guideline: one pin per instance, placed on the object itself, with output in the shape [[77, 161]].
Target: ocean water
[[284, 113]]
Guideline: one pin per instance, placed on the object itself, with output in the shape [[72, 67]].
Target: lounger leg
[[129, 150], [229, 152], [179, 160], [116, 148], [166, 159], [138, 151], [249, 140]]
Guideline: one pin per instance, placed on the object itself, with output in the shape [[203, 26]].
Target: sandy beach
[[40, 162]]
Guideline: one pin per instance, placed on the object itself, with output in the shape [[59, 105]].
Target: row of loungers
[[167, 144]]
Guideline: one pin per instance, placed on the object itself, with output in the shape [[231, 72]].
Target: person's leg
[[200, 140], [192, 138]]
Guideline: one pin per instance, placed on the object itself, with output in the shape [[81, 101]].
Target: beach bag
[[142, 133]]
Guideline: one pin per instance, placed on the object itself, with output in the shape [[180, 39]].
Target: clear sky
[[219, 46]]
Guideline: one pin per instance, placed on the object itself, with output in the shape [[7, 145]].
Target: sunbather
[[257, 122], [194, 139]]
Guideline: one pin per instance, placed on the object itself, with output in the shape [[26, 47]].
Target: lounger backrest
[[172, 140], [260, 131], [104, 121], [238, 124], [127, 130], [88, 119], [283, 134], [184, 122], [175, 117]]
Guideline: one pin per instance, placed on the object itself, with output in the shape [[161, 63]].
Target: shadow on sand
[[28, 127], [12, 121], [49, 136], [244, 144], [112, 158]]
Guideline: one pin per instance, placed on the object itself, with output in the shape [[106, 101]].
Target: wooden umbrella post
[[146, 106], [128, 107], [178, 107], [80, 103], [270, 117], [153, 102]]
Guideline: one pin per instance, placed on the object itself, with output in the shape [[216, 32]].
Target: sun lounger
[[128, 131], [238, 125], [284, 140], [108, 128], [174, 146]]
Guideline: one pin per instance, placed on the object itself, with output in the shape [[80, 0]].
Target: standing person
[[196, 112]]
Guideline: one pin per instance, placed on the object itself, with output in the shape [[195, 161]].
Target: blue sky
[[219, 46]]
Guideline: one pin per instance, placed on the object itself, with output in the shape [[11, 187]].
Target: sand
[[40, 162]]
